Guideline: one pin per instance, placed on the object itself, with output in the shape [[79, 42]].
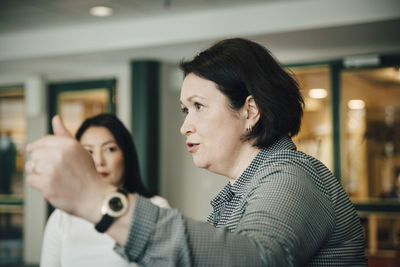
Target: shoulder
[[300, 174], [160, 201], [284, 161], [294, 168], [58, 221], [58, 216]]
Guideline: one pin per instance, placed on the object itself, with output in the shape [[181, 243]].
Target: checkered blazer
[[286, 209]]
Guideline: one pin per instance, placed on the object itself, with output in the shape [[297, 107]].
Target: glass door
[[351, 123], [370, 123], [315, 136], [76, 101], [12, 143]]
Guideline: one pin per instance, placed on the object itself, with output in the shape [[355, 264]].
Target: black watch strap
[[107, 220], [104, 223]]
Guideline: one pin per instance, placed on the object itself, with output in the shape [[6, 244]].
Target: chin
[[201, 163]]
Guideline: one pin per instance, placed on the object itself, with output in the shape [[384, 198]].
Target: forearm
[[91, 211], [163, 237], [119, 229]]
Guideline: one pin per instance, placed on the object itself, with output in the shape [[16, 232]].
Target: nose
[[187, 127], [98, 158]]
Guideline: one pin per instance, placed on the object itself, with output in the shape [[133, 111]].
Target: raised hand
[[64, 173]]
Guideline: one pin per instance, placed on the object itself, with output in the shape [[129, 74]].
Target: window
[[12, 143], [315, 137], [352, 124], [76, 101], [370, 123], [75, 106]]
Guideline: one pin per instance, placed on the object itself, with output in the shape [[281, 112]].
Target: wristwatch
[[114, 205]]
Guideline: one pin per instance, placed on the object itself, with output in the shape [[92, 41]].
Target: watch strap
[[104, 223], [107, 220]]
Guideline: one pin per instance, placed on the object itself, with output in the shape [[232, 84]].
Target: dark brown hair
[[241, 68], [132, 181]]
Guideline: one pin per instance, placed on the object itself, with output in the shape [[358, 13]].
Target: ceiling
[[23, 15], [58, 38]]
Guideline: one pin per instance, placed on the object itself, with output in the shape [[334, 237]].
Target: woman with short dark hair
[[241, 68]]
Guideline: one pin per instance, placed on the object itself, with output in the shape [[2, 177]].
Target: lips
[[103, 174], [192, 146]]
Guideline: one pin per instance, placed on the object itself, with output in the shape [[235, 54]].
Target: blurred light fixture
[[101, 11], [317, 93], [356, 104]]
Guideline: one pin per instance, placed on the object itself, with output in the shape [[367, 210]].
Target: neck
[[244, 159]]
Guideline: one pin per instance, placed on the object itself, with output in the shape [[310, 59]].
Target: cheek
[[118, 170], [222, 135], [119, 164], [209, 129]]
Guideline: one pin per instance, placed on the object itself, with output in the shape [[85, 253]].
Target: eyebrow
[[191, 97], [103, 144]]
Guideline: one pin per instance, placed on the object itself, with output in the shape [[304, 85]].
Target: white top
[[70, 241]]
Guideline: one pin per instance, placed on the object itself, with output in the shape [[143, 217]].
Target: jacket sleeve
[[286, 220]]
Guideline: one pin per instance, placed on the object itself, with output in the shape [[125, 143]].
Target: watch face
[[115, 204]]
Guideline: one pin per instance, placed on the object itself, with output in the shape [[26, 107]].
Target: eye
[[111, 149], [184, 110], [198, 106], [89, 151]]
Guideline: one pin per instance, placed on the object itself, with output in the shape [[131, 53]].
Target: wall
[[186, 187]]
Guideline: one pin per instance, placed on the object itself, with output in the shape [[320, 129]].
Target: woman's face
[[212, 129], [106, 154]]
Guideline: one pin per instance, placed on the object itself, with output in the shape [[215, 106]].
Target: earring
[[249, 129]]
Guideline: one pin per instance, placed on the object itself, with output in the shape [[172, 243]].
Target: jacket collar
[[240, 185]]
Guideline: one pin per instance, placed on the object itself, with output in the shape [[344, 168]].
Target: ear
[[252, 111]]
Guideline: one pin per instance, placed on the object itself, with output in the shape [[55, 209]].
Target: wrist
[[114, 206], [90, 208], [119, 230]]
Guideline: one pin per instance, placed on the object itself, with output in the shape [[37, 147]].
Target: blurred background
[[70, 58]]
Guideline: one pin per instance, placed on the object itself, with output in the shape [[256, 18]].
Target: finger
[[42, 161], [36, 181], [46, 152], [59, 128], [49, 141], [29, 166]]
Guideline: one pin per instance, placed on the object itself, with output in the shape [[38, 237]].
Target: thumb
[[59, 127]]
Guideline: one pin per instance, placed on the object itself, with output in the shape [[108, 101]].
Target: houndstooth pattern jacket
[[286, 209]]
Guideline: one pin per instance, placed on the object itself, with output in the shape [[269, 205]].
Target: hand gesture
[[65, 174]]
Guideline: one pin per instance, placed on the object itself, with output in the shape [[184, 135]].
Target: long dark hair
[[132, 181], [241, 68]]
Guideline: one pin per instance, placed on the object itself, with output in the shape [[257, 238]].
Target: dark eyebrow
[[109, 142], [191, 97], [103, 144]]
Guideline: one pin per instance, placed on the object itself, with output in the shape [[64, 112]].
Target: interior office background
[[336, 45]]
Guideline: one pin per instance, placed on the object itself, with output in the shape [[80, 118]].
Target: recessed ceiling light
[[101, 11], [356, 104], [318, 93]]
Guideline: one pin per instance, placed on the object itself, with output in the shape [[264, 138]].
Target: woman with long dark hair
[[71, 241]]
